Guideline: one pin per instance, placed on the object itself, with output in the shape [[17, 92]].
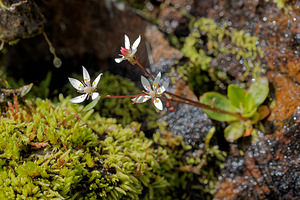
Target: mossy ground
[[52, 151]]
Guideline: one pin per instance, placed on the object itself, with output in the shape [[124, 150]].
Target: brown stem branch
[[207, 107], [143, 68], [2, 44], [119, 97]]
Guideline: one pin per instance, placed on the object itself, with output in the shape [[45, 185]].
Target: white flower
[[128, 53], [85, 87], [152, 92]]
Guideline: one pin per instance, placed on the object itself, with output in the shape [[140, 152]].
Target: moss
[[281, 4], [208, 41], [50, 151]]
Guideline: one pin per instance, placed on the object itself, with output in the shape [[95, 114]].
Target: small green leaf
[[209, 136], [234, 131], [242, 100], [92, 104], [249, 108], [236, 95], [259, 90], [255, 118], [26, 89], [217, 100]]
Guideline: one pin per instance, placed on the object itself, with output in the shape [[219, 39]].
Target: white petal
[[79, 99], [156, 81], [127, 42], [96, 81], [141, 99], [76, 84], [95, 95], [145, 83], [86, 76], [166, 84], [158, 104], [163, 88], [118, 60], [133, 52], [136, 43], [146, 98], [160, 90]]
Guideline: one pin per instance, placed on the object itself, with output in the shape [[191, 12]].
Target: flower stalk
[[120, 97]]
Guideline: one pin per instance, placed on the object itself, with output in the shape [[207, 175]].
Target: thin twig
[[18, 3], [143, 68], [207, 107], [119, 97], [2, 45]]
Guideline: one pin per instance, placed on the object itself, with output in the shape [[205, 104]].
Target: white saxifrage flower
[[85, 87], [128, 53], [152, 92]]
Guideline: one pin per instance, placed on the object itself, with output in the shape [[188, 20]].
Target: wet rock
[[189, 122], [287, 96], [268, 169], [88, 33], [21, 19], [99, 33], [160, 48], [184, 120], [171, 17]]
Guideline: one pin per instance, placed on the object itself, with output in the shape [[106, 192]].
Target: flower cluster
[[128, 53]]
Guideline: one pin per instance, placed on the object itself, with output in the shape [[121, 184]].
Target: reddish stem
[[119, 97], [207, 107], [143, 68]]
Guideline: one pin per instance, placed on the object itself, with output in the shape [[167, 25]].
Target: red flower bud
[[125, 52]]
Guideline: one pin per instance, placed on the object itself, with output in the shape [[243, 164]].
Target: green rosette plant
[[245, 103]]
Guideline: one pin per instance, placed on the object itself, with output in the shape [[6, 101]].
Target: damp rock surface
[[268, 169], [189, 122], [20, 20]]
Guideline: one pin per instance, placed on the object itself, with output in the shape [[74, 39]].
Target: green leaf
[[242, 100], [234, 131], [26, 89], [236, 96], [92, 104], [217, 100], [259, 90], [209, 136], [249, 108]]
